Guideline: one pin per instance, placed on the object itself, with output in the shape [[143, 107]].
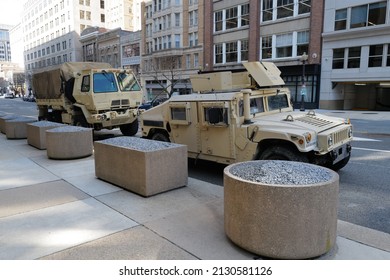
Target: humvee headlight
[[350, 132], [330, 140], [308, 137]]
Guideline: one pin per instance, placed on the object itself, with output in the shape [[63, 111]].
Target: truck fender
[[86, 113]]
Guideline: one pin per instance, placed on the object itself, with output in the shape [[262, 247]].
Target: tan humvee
[[89, 94], [241, 116]]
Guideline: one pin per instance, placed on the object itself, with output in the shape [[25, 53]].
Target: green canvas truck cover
[[47, 84]]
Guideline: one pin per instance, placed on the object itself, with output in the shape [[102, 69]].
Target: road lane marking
[[365, 139], [371, 150]]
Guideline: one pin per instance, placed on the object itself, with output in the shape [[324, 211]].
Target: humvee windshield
[[276, 102], [128, 82]]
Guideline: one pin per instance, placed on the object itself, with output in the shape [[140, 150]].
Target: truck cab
[[247, 115], [89, 94]]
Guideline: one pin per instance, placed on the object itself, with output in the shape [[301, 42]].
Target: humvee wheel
[[129, 129], [283, 153], [159, 136], [340, 164]]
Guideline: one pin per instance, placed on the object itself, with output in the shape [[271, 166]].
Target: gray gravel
[[69, 128], [138, 144], [281, 172], [21, 119], [47, 124]]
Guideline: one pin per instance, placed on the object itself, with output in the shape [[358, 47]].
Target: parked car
[[9, 94]]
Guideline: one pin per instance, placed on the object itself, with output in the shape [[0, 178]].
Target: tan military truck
[[247, 115], [89, 94]]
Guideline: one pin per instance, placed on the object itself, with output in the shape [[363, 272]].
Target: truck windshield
[[277, 102], [128, 82], [104, 82]]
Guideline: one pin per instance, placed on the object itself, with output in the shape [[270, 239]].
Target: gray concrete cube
[[145, 167], [36, 133]]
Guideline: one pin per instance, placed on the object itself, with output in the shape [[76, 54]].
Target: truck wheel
[[340, 164], [283, 153], [160, 136], [129, 129], [80, 120]]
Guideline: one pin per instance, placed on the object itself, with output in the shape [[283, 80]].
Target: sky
[[10, 11]]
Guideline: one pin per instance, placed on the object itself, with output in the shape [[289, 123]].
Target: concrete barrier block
[[280, 209], [36, 133], [69, 142], [16, 128], [3, 119], [145, 167]]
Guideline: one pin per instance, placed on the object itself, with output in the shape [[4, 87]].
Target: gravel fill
[[47, 124], [138, 144], [21, 119], [281, 172], [69, 128]]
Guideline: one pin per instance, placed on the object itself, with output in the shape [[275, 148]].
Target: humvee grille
[[313, 120], [340, 136], [120, 104]]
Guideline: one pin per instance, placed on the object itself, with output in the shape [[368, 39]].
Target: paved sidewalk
[[58, 209]]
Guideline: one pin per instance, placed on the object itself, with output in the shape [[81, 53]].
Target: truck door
[[184, 128], [216, 131]]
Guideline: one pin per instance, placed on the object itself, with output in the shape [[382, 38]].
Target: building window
[[177, 19], [338, 58], [231, 18], [388, 56], [188, 61], [218, 21], [340, 19], [285, 8], [177, 40], [375, 56], [302, 42], [231, 52], [196, 60], [102, 17], [244, 50], [304, 6], [284, 45], [101, 4], [245, 15], [266, 47], [218, 49], [368, 15], [354, 57], [267, 10]]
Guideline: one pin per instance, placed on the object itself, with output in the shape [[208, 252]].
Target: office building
[[356, 55]]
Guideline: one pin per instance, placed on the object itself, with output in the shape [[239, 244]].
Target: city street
[[364, 182]]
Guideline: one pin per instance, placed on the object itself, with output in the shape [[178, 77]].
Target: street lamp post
[[303, 89]]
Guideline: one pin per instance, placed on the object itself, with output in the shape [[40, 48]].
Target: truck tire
[[283, 153], [129, 129], [160, 136], [340, 164], [80, 120]]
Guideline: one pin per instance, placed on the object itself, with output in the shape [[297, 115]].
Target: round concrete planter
[[69, 142], [280, 209]]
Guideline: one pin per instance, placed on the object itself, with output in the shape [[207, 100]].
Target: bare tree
[[167, 68]]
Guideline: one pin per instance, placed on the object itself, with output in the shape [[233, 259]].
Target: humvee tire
[[160, 136], [129, 129], [340, 164], [283, 153]]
